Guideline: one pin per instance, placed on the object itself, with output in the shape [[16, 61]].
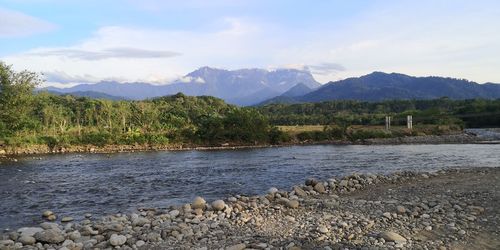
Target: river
[[75, 184]]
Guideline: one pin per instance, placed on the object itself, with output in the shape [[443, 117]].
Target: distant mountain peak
[[242, 86], [379, 86]]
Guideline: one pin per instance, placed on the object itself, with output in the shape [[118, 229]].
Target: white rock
[[218, 205], [117, 240]]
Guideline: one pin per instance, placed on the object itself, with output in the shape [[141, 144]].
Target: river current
[[75, 184]]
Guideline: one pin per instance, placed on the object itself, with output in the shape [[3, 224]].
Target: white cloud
[[104, 54], [62, 77], [419, 38], [17, 24], [189, 79]]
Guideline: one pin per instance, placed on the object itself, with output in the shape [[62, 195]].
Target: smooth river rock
[[293, 204], [198, 202], [29, 231], [52, 236], [27, 240], [218, 205], [117, 240], [392, 236], [320, 188]]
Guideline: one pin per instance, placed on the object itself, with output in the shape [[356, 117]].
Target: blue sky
[[160, 41]]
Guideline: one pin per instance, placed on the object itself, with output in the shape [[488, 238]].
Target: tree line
[[29, 117], [443, 111]]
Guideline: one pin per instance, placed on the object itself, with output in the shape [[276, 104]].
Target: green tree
[[16, 96]]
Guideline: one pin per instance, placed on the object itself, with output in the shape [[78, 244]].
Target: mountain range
[[260, 87], [379, 86], [241, 87]]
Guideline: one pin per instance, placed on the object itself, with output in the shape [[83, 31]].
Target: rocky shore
[[449, 209], [462, 138]]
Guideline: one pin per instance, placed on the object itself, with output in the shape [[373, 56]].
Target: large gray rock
[[117, 240], [52, 236], [392, 236]]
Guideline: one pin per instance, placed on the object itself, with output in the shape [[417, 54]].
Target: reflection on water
[[74, 184]]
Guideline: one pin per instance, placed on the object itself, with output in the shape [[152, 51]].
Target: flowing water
[[75, 184]]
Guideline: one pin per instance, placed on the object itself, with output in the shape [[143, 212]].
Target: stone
[[198, 202], [320, 188], [139, 222], [311, 182], [153, 237], [140, 243], [387, 215], [6, 243], [272, 190], [343, 183], [47, 213], [218, 205], [52, 236], [322, 229], [49, 225], [27, 240], [75, 235], [401, 209], [392, 236], [67, 219], [299, 191], [52, 217], [174, 213], [240, 246], [29, 231], [117, 240], [115, 226], [292, 204]]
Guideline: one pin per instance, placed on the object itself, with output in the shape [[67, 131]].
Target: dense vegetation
[[27, 118], [464, 113]]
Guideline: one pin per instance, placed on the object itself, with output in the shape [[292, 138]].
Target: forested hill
[[28, 117], [379, 86]]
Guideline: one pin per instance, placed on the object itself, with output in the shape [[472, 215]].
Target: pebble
[[198, 202], [293, 204], [401, 209], [67, 219], [323, 229], [320, 188], [27, 240], [218, 205], [392, 236], [272, 190], [117, 240], [240, 246], [29, 231], [52, 236]]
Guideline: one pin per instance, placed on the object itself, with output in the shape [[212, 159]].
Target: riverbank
[[461, 138], [451, 209]]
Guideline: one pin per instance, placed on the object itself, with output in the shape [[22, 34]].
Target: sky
[[71, 41]]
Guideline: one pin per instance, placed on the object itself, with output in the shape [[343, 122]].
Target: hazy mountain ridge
[[90, 94], [242, 87], [379, 86]]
